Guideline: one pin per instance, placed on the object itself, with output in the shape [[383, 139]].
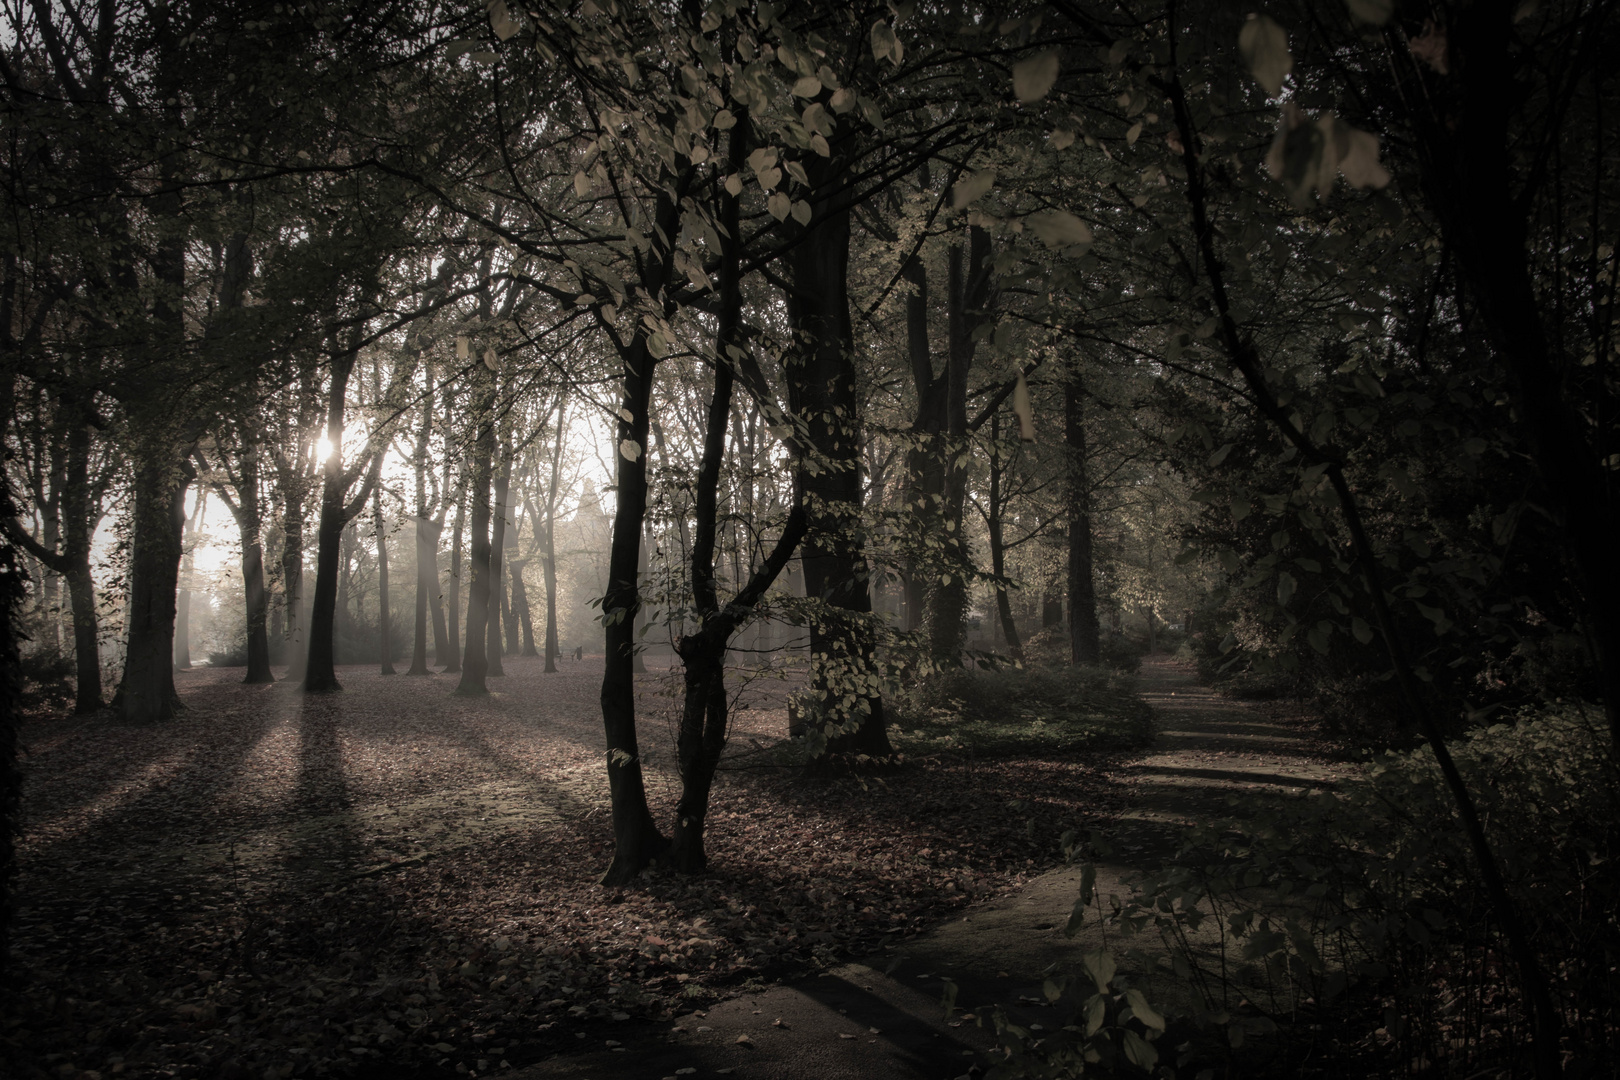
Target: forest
[[856, 539]]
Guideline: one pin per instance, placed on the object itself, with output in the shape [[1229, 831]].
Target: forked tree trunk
[[320, 673]]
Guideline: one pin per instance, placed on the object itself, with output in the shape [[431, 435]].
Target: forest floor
[[396, 882]]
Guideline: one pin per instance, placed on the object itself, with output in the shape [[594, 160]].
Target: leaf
[[842, 100], [491, 360], [1264, 46], [769, 178], [724, 120], [630, 450], [1077, 918], [1144, 1012], [778, 204], [1061, 139], [884, 43], [1358, 157], [972, 187], [1100, 966], [801, 212], [1220, 455], [1361, 630], [1023, 409], [1430, 47], [1133, 134], [807, 86], [1140, 1052], [1285, 587], [1034, 78], [501, 21], [734, 185], [463, 347], [582, 185], [1376, 12], [1060, 229]]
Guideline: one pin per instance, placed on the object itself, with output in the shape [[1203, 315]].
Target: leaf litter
[[392, 878]]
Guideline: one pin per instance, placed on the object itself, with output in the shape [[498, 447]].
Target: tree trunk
[[427, 543], [427, 583], [294, 645], [79, 526], [846, 712], [520, 607], [998, 550], [452, 609], [188, 566], [146, 692], [320, 674], [1085, 646], [497, 561], [475, 662], [385, 645]]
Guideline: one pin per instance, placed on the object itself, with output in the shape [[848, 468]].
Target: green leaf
[[1264, 46], [1140, 1052], [807, 86], [971, 187], [1219, 456], [1144, 1012], [1096, 1014], [1059, 229], [1361, 630], [500, 20], [884, 43], [1285, 587], [1034, 78], [1376, 12], [1100, 966], [1077, 918]]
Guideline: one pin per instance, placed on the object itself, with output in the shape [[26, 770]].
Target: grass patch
[[1028, 712]]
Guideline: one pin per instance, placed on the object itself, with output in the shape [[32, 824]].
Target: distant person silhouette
[[579, 652]]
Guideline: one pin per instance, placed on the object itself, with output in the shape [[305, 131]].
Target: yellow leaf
[[463, 348], [630, 449], [1034, 78]]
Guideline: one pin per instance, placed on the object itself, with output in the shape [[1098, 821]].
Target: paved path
[[883, 1019]]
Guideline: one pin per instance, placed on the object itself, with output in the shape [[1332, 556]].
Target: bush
[[48, 681], [1031, 710], [1359, 914]]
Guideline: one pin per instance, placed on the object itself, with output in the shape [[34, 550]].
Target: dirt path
[[884, 1018]]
